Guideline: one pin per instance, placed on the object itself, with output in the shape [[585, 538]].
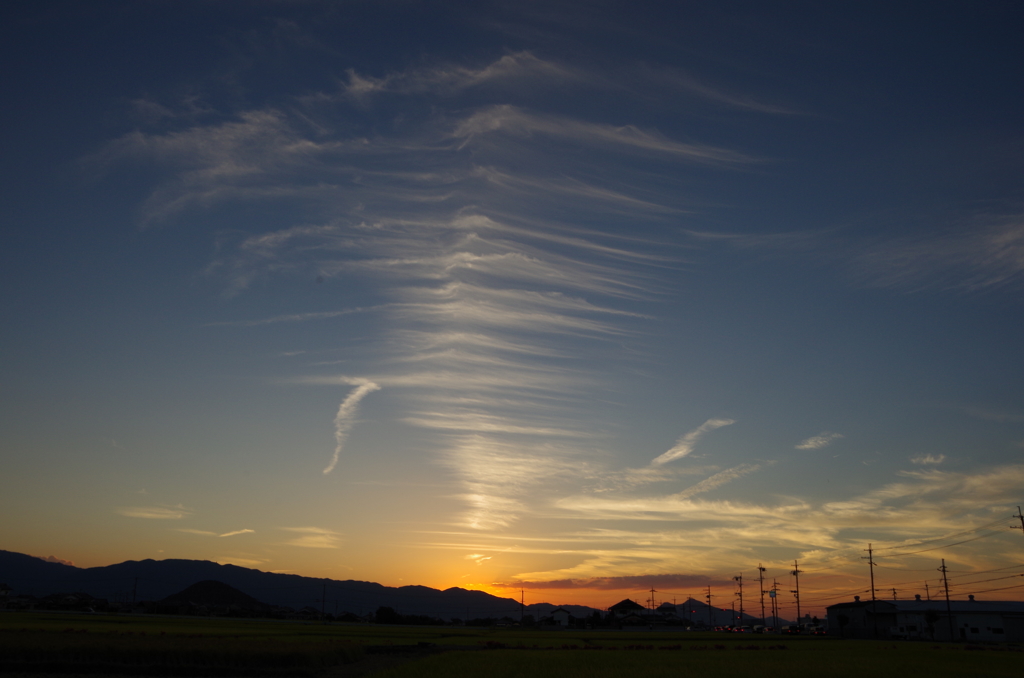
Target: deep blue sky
[[418, 293]]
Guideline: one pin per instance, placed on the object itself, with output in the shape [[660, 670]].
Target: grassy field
[[41, 643]]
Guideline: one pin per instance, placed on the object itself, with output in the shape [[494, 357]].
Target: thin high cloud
[[983, 255], [345, 418], [677, 582], [505, 119], [208, 533], [289, 318], [237, 532], [453, 78], [493, 314], [154, 512], [694, 533], [717, 480], [689, 82], [685, 444], [819, 441], [527, 71], [987, 256], [499, 476], [313, 537]]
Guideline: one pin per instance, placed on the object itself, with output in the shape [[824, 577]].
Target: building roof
[[627, 604]]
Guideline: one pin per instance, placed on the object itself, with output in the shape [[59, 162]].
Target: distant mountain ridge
[[157, 579]]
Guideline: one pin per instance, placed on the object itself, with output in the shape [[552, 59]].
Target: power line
[[936, 548], [982, 581], [840, 595], [903, 569], [948, 536], [1004, 588], [998, 569]]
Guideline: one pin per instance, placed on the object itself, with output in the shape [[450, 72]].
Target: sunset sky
[[580, 298]]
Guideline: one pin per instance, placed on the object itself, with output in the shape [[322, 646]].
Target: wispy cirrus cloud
[[673, 531], [928, 459], [688, 82], [686, 442], [506, 119], [986, 256], [344, 420], [289, 318], [496, 316], [500, 475], [154, 512], [522, 67], [991, 414], [717, 480], [235, 533], [819, 441], [448, 79], [975, 254], [313, 537], [677, 582], [209, 533]]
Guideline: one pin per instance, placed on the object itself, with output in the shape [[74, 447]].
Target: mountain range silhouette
[[156, 580]]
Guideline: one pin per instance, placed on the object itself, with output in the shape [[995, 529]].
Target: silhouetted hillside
[[155, 580], [213, 594]]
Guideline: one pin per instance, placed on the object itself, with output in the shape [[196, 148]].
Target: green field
[[73, 644]]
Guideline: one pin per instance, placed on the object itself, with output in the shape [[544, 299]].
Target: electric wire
[[948, 536], [936, 548], [1004, 588]]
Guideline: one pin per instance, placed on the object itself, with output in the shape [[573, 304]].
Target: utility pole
[[739, 580], [949, 611], [927, 593], [711, 622], [652, 600], [871, 564], [522, 606], [775, 602], [1021, 516], [796, 573], [894, 594], [760, 583]]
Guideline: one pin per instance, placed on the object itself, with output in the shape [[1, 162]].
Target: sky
[[575, 299]]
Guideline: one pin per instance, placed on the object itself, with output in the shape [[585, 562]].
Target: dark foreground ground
[[69, 645]]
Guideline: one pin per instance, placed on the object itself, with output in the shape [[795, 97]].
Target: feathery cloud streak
[[684, 445], [514, 121], [345, 418], [313, 537], [819, 441], [493, 263], [155, 512]]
